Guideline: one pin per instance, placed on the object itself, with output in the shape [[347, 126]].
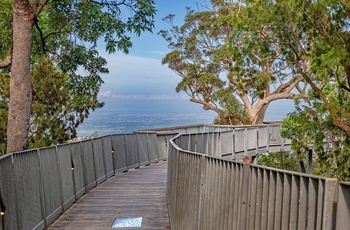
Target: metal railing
[[206, 191], [235, 142], [36, 186]]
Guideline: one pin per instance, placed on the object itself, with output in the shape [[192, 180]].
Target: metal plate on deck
[[127, 222]]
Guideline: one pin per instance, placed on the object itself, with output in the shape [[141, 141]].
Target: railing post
[[148, 149], [309, 161], [72, 169], [60, 177], [93, 160], [16, 190], [244, 214], [245, 139], [330, 199], [257, 141], [300, 164], [268, 138], [233, 145], [125, 150], [41, 189], [343, 206], [104, 157], [2, 213], [203, 166]]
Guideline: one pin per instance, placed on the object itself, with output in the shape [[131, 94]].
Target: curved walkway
[[136, 193]]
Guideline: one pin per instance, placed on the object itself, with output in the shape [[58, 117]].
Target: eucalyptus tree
[[56, 111], [230, 63], [318, 38], [67, 32]]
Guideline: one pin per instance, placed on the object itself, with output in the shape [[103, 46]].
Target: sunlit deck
[[136, 193]]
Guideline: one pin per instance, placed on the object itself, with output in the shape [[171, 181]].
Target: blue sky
[[140, 76]]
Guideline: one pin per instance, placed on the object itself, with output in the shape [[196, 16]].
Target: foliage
[[279, 160], [57, 109], [67, 33], [4, 95], [289, 46], [317, 35], [5, 28], [229, 63], [312, 127]]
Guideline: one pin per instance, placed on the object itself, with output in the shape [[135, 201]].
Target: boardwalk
[[137, 193]]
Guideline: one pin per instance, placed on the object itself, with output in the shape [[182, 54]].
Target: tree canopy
[[325, 65], [230, 63], [258, 51], [67, 33], [315, 37], [57, 110]]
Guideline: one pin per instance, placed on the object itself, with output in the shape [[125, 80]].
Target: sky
[[140, 73], [140, 76]]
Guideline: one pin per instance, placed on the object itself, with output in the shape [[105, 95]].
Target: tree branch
[[336, 121], [246, 102], [41, 34], [59, 30], [343, 2], [270, 98], [207, 106], [6, 62], [37, 8]]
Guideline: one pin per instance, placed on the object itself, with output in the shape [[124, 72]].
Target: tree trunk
[[20, 86], [261, 115]]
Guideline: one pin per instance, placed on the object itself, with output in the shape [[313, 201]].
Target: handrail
[[236, 142], [38, 185], [206, 190]]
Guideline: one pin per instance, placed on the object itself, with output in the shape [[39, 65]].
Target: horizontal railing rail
[[236, 142], [205, 190], [37, 185]]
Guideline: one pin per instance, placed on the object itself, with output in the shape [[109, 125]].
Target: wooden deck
[[136, 193]]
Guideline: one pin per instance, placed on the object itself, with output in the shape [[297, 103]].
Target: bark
[[20, 86], [261, 115], [208, 106], [347, 10]]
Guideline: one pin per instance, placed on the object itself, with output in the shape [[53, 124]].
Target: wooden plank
[[136, 193]]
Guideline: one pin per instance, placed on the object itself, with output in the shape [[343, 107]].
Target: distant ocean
[[124, 117], [118, 117]]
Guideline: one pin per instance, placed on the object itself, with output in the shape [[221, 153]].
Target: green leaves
[[280, 160], [313, 40], [88, 21], [313, 126], [234, 41], [60, 104], [5, 28]]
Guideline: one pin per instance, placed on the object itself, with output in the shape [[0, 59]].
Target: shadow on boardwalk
[[137, 193]]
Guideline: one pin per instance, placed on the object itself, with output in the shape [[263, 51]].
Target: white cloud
[[163, 53], [105, 94], [142, 76], [108, 94]]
